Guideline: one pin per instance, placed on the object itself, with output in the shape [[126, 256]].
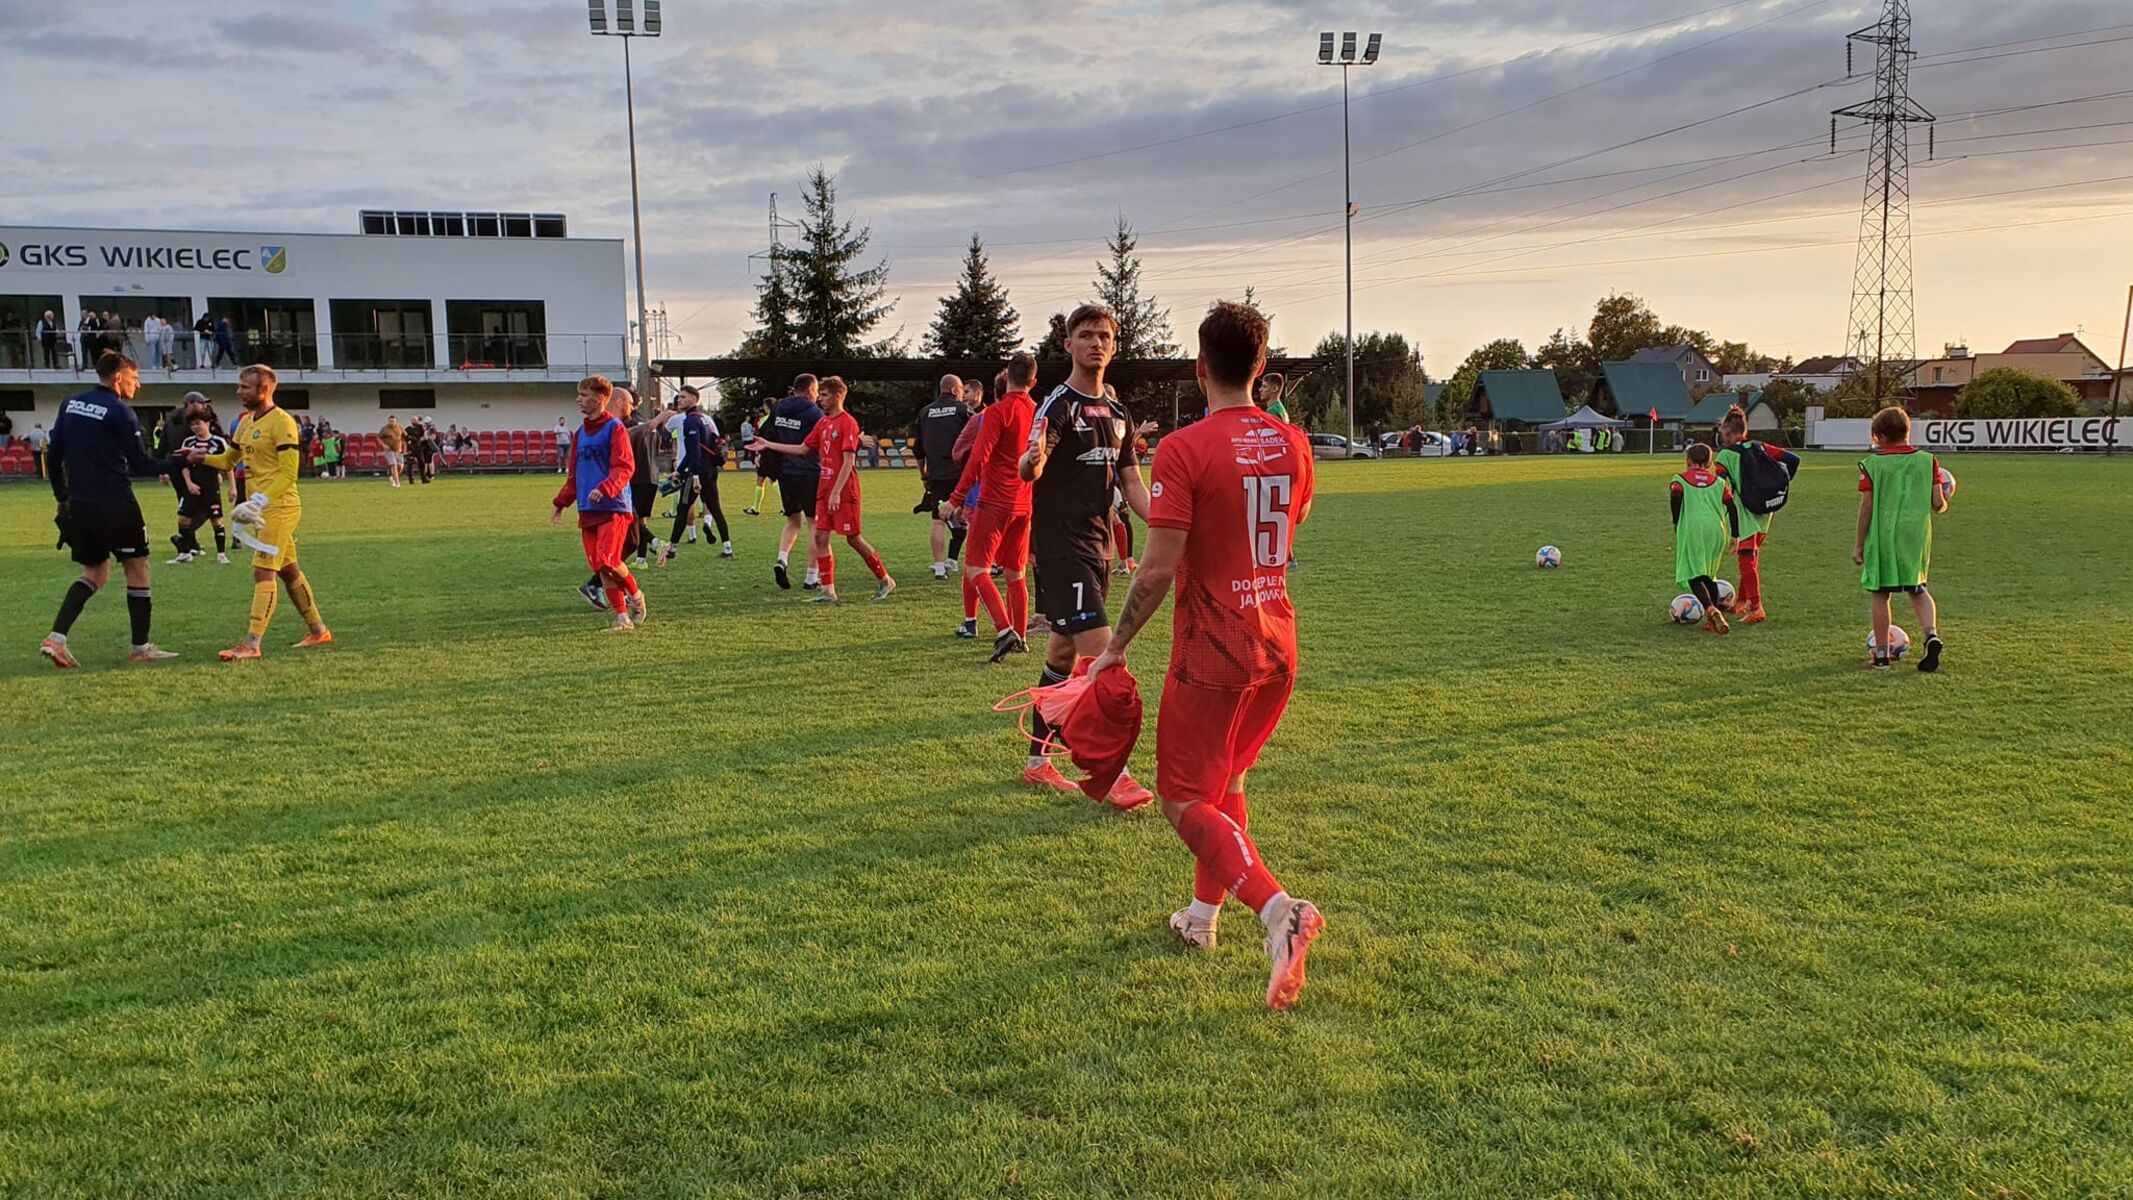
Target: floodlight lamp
[[651, 18], [625, 17], [1325, 40], [1347, 47], [597, 11], [1370, 51]]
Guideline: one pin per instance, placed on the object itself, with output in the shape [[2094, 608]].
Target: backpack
[[1763, 485]]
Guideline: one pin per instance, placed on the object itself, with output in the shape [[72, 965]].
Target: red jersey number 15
[[1266, 514]]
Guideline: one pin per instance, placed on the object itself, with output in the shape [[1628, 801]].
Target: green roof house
[[1518, 397], [1633, 391], [1712, 407]]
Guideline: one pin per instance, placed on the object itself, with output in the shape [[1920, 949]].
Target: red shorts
[[997, 539], [845, 521], [604, 535], [1204, 737], [1753, 541]]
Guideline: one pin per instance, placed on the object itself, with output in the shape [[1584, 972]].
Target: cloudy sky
[[1514, 159]]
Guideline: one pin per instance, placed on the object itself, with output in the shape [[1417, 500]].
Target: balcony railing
[[73, 353]]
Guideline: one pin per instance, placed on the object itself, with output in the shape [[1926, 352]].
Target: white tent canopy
[[1587, 418]]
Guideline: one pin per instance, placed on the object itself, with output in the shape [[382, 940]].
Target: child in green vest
[[1706, 529], [1754, 527], [1900, 490]]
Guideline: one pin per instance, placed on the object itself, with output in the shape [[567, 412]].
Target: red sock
[[629, 584], [1122, 538], [873, 562], [826, 570], [1017, 602], [617, 599], [1227, 852], [1751, 579], [970, 599], [989, 593], [1207, 886]]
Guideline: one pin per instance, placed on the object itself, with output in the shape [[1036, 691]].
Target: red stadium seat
[[485, 457], [16, 460]]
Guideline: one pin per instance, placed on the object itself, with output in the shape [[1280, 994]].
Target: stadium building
[[483, 320]]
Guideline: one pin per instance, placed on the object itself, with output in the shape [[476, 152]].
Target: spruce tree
[[1143, 324], [976, 323], [836, 303]]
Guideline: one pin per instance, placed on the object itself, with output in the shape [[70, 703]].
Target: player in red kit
[[1227, 496], [999, 522], [835, 442], [600, 466]]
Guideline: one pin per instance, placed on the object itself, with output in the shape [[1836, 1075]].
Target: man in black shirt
[[96, 453], [789, 423], [938, 425], [1080, 448]]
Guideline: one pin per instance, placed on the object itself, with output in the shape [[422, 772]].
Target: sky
[[1513, 160]]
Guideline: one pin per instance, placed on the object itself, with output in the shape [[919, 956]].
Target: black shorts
[[766, 466], [797, 495], [95, 535], [642, 497], [202, 509], [1071, 591], [1914, 589], [938, 492]]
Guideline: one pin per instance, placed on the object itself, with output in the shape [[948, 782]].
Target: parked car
[[1333, 445], [1434, 445]]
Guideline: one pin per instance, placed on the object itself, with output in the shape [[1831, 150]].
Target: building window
[[279, 332], [407, 397], [497, 334], [485, 225], [455, 224], [18, 400], [382, 335], [20, 347], [377, 224], [1702, 376], [518, 225], [293, 399], [550, 225]]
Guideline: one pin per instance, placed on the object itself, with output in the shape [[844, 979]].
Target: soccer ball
[[1725, 594], [1548, 557], [1947, 482], [1899, 641], [1685, 610]]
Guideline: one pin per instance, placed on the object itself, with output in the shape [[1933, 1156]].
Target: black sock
[[137, 608], [70, 608], [594, 581], [222, 541], [956, 534], [1706, 592]]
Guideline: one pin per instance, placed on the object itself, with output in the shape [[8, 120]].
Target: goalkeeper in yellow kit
[[267, 441]]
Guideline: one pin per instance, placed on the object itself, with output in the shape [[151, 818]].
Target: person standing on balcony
[[48, 339], [225, 342], [204, 334]]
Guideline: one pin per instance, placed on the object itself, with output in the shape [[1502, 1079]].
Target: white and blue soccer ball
[[1947, 481], [1899, 641], [1725, 594], [1548, 558], [1685, 610]]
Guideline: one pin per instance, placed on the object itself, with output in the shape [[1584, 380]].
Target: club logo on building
[[274, 259], [3, 254]]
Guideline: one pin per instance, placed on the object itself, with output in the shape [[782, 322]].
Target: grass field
[[481, 902]]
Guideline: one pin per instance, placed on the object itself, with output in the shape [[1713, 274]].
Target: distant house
[[1822, 374], [1696, 370], [1937, 383], [1517, 398], [1712, 408], [1637, 391]]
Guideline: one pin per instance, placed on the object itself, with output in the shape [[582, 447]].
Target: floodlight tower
[[1346, 60], [625, 26], [1883, 315]]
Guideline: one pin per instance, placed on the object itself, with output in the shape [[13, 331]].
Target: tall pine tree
[[836, 303], [976, 323], [1143, 324]]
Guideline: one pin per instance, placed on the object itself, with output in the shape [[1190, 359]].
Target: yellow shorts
[[278, 531]]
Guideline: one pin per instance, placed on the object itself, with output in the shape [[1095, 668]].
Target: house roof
[[1663, 354], [1640, 388], [2048, 345], [1712, 407], [1530, 396], [1828, 364]]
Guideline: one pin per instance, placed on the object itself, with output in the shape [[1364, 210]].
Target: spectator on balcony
[[48, 339], [166, 345], [204, 334], [225, 342], [88, 333], [151, 338]]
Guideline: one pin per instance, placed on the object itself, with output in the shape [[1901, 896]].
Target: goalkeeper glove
[[252, 511]]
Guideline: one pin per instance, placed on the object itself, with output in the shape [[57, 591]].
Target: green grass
[[480, 902]]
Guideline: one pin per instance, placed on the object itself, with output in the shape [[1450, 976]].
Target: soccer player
[[699, 456], [1268, 394], [935, 431], [1901, 489], [1079, 449], [1706, 525], [993, 499], [597, 475], [1229, 492], [200, 487], [266, 442], [644, 490], [94, 454], [790, 422], [1733, 443], [834, 442]]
